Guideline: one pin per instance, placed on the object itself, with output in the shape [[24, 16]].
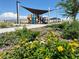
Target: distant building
[[55, 20]]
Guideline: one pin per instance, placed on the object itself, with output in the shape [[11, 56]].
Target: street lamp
[[48, 15], [17, 10]]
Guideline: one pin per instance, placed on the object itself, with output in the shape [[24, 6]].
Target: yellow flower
[[56, 38], [23, 42], [1, 54], [75, 39], [60, 48], [49, 40], [74, 44], [52, 32], [70, 44], [47, 58], [42, 49], [17, 46], [33, 45], [0, 57], [73, 50]]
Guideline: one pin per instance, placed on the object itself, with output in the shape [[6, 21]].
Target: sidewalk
[[29, 26]]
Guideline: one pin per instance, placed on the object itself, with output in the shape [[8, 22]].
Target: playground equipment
[[36, 14], [33, 19]]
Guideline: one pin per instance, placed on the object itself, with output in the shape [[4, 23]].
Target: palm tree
[[70, 7]]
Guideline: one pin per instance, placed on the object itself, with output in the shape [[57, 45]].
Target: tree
[[70, 7]]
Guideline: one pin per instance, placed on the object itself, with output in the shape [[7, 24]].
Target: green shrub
[[12, 38], [53, 26], [52, 48], [5, 24], [71, 31], [8, 39], [61, 26], [24, 33]]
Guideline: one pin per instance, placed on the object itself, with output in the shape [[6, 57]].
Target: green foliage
[[53, 26], [12, 38], [72, 30], [63, 25], [24, 33], [70, 7], [5, 24], [52, 48], [8, 39], [59, 26], [69, 30]]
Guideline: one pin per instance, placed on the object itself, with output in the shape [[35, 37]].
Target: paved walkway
[[28, 26]]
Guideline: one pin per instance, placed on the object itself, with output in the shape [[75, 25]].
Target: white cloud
[[45, 15], [10, 16]]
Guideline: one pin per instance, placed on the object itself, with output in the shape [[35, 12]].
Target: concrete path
[[28, 26]]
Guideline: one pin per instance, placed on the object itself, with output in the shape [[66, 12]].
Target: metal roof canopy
[[36, 11]]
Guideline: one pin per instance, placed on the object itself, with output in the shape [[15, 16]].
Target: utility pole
[[17, 10], [48, 15]]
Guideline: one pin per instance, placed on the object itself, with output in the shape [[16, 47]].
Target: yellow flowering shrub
[[60, 48], [52, 48], [73, 44], [17, 46], [72, 49], [47, 58], [1, 55]]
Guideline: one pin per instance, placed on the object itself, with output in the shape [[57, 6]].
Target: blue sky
[[10, 6]]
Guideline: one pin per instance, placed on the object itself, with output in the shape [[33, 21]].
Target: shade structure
[[36, 11]]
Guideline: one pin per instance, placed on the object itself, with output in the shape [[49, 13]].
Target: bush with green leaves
[[71, 31], [7, 39], [24, 33], [12, 38], [61, 26], [6, 24], [52, 48]]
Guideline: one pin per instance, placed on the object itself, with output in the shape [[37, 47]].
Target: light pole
[[48, 15], [17, 10]]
